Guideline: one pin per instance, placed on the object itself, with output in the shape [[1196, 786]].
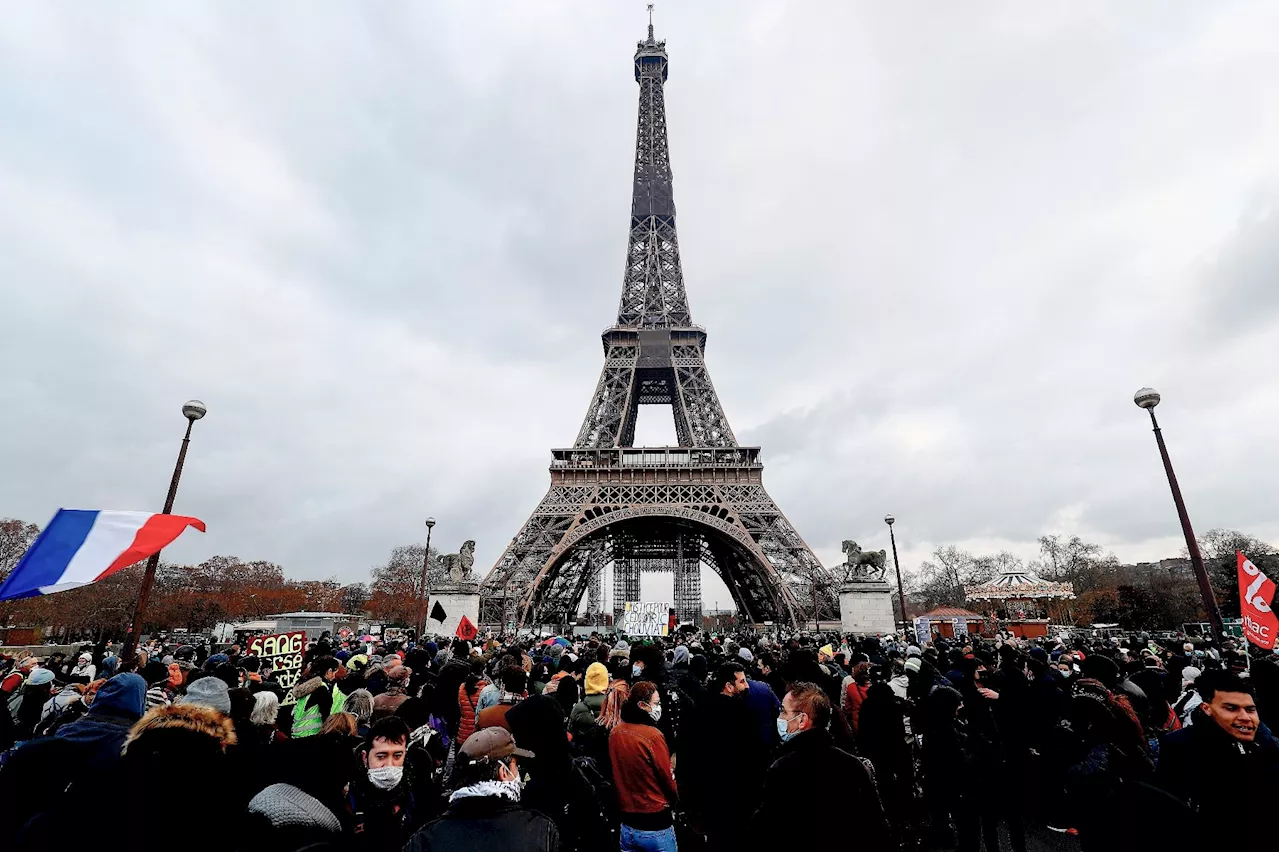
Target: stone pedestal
[[866, 606], [457, 600]]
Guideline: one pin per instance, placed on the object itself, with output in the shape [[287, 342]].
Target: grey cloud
[[936, 251]]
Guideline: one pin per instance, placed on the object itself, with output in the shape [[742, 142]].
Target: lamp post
[[893, 542], [193, 410], [425, 586], [1148, 398]]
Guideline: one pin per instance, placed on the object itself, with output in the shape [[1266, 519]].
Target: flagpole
[[425, 586], [193, 410]]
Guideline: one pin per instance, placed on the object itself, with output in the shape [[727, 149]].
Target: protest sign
[[645, 618], [284, 652]]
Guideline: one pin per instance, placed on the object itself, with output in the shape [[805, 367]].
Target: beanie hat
[[1038, 654], [912, 664], [285, 805], [913, 651], [208, 692], [597, 679], [745, 653], [1190, 673], [38, 677]]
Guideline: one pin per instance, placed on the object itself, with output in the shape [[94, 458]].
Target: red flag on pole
[[466, 630], [1256, 592]]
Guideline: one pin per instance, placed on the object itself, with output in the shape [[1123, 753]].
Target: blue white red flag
[[81, 546]]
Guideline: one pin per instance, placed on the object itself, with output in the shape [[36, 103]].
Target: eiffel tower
[[670, 509]]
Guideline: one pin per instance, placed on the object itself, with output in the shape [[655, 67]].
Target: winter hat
[[680, 655], [1039, 654], [155, 673], [913, 651], [85, 657], [597, 679], [208, 692], [215, 659], [286, 806], [745, 654], [912, 664], [622, 646], [39, 677], [1189, 674]]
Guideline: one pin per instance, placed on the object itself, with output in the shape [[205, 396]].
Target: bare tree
[[15, 537]]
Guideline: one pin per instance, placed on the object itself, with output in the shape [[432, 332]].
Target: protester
[[642, 776], [807, 765], [1226, 752], [514, 683], [317, 697], [484, 808]]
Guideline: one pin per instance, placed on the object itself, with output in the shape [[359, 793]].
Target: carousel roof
[[1019, 584]]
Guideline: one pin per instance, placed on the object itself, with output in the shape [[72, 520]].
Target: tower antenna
[[650, 22]]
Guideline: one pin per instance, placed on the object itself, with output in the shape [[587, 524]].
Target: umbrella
[[563, 642]]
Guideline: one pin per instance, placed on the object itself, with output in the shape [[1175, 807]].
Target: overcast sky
[[936, 246]]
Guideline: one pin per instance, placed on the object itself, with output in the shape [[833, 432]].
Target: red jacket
[[467, 704], [641, 769], [853, 695]]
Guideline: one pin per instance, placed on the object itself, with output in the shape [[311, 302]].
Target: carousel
[[1022, 603]]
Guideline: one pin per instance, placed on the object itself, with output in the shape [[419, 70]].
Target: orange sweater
[[641, 769]]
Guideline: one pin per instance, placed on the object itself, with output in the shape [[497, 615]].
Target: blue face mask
[[636, 670], [783, 733]]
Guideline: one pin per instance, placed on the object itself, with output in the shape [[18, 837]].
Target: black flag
[[437, 612]]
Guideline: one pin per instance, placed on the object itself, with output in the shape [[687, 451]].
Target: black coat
[[489, 823], [722, 767], [807, 768], [1218, 776]]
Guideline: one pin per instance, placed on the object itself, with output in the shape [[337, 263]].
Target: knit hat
[[913, 651], [215, 659], [912, 664], [745, 653], [1190, 673], [680, 655], [208, 692], [286, 805], [597, 679], [39, 677]]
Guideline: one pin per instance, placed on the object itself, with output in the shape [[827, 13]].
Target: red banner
[[1256, 593]]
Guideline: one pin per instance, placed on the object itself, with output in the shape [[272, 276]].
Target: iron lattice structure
[[655, 509]]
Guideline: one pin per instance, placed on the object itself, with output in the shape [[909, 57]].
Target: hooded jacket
[[101, 733], [307, 715]]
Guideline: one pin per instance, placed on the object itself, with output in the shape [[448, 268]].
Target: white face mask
[[655, 712], [386, 777]]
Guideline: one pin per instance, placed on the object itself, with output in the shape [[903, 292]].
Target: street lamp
[[193, 410], [893, 542], [425, 586], [1148, 398]]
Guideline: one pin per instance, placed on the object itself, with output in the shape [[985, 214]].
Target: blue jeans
[[635, 840]]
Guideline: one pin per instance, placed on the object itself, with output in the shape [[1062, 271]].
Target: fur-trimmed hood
[[307, 687], [186, 717]]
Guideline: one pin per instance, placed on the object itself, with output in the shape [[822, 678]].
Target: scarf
[[505, 789]]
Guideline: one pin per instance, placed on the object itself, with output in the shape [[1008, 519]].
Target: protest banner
[[1259, 622], [284, 652], [645, 618]]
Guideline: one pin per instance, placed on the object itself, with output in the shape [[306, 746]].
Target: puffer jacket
[[307, 718], [467, 704]]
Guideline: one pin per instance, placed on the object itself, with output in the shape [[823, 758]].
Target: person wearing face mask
[[642, 773], [380, 797], [484, 810], [806, 765]]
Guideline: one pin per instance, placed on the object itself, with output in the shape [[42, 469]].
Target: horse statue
[[457, 566], [860, 564]]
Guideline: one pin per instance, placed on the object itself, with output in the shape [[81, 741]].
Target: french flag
[[81, 546]]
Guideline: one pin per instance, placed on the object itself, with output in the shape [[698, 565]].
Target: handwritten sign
[[645, 618], [284, 651]]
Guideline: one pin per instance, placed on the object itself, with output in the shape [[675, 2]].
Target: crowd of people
[[691, 741]]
